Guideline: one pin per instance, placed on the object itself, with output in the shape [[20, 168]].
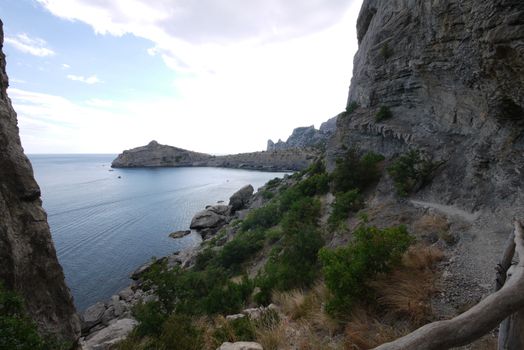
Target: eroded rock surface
[[28, 262]]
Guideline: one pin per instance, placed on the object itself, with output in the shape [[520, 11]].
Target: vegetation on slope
[[298, 274]]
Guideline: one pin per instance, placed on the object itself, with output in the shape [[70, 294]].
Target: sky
[[214, 76]]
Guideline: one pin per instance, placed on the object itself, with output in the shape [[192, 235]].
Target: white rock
[[112, 334], [241, 345]]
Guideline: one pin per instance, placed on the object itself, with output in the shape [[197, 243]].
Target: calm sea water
[[104, 226]]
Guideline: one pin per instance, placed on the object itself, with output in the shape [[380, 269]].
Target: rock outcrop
[[240, 198], [452, 75], [157, 155], [305, 137], [28, 262]]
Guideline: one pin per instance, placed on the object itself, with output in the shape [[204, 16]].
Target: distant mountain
[[307, 136]]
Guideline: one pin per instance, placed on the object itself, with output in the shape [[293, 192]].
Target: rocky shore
[[106, 323], [157, 155]]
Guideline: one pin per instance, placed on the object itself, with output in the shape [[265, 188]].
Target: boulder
[[241, 345], [219, 209], [126, 294], [234, 317], [179, 234], [207, 219], [93, 316], [240, 199], [105, 338]]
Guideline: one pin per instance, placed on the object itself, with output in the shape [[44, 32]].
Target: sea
[[106, 222]]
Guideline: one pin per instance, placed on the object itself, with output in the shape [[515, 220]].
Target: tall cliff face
[[28, 262], [452, 74]]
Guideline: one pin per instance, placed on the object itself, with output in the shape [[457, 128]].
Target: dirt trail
[[449, 210]]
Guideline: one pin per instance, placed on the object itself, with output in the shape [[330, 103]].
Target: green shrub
[[314, 184], [243, 246], [385, 51], [383, 113], [273, 235], [294, 263], [346, 269], [197, 292], [150, 316], [17, 330], [267, 194], [345, 202], [273, 183], [205, 258], [410, 171], [351, 107], [179, 333], [241, 329], [354, 172], [265, 217]]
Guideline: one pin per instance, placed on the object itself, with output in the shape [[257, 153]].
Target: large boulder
[[105, 338], [207, 219], [240, 198], [241, 345], [93, 316]]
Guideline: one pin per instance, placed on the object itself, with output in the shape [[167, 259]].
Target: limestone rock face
[[452, 74], [206, 219], [305, 137], [28, 262]]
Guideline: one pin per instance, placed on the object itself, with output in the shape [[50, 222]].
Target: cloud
[[245, 71], [65, 66], [32, 46], [97, 102], [89, 80]]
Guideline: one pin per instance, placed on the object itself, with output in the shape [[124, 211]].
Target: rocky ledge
[[157, 155]]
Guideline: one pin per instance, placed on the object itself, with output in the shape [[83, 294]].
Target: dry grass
[[272, 338], [406, 292], [366, 332], [431, 223], [308, 307]]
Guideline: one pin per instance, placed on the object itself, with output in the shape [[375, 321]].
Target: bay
[[106, 222]]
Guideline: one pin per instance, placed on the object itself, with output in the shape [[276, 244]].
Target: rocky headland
[[157, 155]]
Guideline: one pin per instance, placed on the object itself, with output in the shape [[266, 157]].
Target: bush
[[410, 171], [383, 114], [346, 269], [345, 202], [351, 107], [197, 292], [17, 330], [313, 185], [294, 263], [354, 172], [179, 333], [243, 246], [264, 217], [385, 51], [241, 329], [150, 316]]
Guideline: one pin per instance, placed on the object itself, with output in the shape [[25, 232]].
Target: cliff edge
[[28, 262]]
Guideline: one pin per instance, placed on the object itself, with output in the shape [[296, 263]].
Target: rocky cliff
[[445, 78], [157, 155], [28, 262], [451, 75], [304, 137]]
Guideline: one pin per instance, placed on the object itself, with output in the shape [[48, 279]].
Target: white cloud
[[89, 80], [97, 102], [32, 46], [251, 70], [17, 81], [65, 66]]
